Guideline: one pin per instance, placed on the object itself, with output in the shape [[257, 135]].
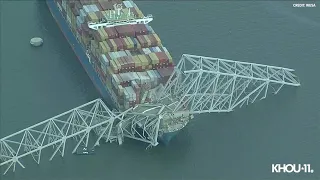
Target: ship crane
[[198, 85]]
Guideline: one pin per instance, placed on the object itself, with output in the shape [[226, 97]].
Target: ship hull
[[82, 57]]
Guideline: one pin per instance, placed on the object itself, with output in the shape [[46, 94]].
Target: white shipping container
[[90, 8], [94, 8], [119, 54], [86, 9], [115, 80], [145, 50], [122, 53], [132, 93], [111, 55], [157, 77], [116, 55], [158, 49], [82, 14], [127, 4], [105, 60], [78, 22], [135, 76]]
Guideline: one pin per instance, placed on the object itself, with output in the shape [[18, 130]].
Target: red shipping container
[[112, 33], [123, 43], [75, 11], [79, 31], [142, 41], [105, 5], [163, 58], [125, 31], [96, 36], [140, 29], [119, 44], [85, 27]]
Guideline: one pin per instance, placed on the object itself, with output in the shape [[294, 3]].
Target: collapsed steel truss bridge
[[198, 84]]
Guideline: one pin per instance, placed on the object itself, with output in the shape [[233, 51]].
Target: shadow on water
[[73, 69]]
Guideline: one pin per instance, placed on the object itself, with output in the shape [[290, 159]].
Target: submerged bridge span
[[198, 85]]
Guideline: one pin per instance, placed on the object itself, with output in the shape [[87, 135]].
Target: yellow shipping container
[[109, 72], [130, 43], [114, 45], [144, 61], [157, 38], [93, 17], [102, 47], [117, 64], [148, 40], [104, 33], [137, 61], [154, 58], [73, 21], [107, 46], [101, 34], [113, 66]]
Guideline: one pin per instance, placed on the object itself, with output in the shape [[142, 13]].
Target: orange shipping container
[[104, 33]]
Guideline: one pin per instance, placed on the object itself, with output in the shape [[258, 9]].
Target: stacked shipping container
[[130, 59]]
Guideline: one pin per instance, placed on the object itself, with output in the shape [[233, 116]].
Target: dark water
[[38, 83]]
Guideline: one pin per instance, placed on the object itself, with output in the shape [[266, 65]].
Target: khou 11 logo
[[292, 168]]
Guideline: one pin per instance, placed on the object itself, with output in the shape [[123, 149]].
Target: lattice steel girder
[[207, 84], [75, 123]]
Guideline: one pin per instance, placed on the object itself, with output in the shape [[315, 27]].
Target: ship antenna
[[118, 7]]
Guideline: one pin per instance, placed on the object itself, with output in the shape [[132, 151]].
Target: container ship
[[122, 54]]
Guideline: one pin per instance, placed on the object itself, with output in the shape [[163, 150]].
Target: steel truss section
[[207, 84], [76, 123]]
